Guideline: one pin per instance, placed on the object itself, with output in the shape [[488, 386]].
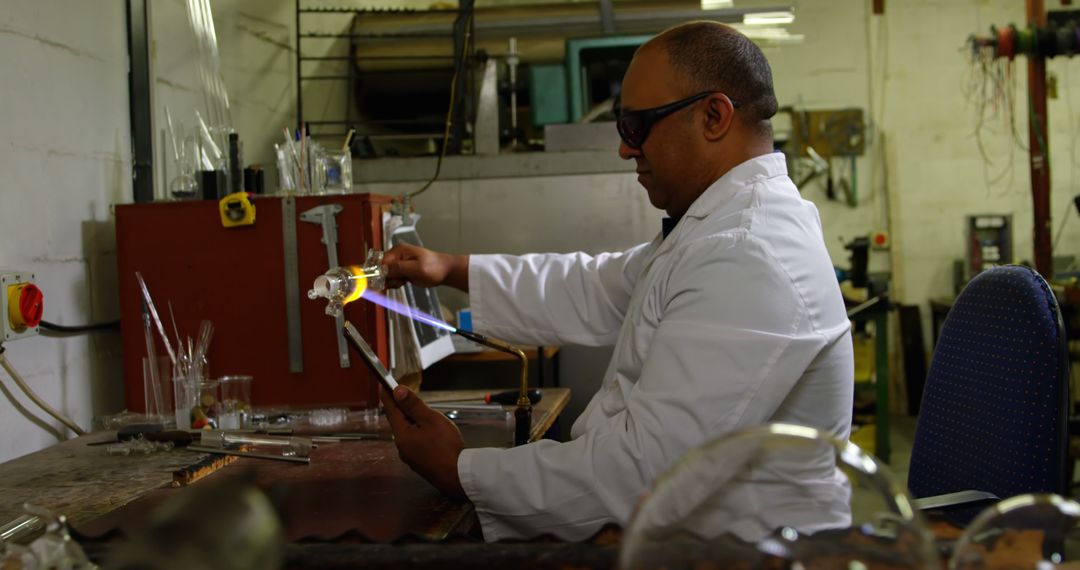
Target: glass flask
[[1026, 531], [777, 496], [343, 285]]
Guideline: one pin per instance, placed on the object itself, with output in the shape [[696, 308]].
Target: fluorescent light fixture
[[769, 18], [716, 4], [769, 35]]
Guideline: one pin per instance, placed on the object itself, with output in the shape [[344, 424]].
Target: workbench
[[355, 505], [357, 487]]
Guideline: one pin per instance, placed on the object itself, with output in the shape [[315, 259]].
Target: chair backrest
[[994, 414]]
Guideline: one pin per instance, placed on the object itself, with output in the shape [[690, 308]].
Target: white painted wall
[[65, 159]]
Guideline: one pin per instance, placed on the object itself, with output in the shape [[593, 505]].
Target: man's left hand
[[427, 441]]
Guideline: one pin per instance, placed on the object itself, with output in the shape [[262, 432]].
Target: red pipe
[[1039, 144]]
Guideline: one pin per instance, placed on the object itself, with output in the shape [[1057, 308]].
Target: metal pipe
[[37, 399], [523, 413], [1039, 143]]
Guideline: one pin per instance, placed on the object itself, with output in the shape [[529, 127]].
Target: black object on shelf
[[235, 175], [212, 183], [254, 181]]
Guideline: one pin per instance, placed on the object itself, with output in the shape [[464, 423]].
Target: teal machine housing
[[563, 93]]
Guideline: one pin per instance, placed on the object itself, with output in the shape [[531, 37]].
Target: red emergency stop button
[[880, 240], [26, 304]]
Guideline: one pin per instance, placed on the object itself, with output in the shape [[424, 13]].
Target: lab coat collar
[[760, 167], [719, 193]]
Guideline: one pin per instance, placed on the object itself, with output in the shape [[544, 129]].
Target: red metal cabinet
[[235, 277]]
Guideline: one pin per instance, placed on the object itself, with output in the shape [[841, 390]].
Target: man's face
[[666, 159]]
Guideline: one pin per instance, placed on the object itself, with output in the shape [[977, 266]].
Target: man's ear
[[719, 116]]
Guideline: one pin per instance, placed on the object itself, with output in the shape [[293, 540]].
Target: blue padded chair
[[994, 416]]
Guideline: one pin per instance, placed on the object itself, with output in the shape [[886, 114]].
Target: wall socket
[[22, 305]]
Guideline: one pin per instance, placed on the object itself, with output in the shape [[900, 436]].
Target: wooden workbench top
[[359, 486]]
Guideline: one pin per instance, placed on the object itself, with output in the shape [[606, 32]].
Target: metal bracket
[[607, 16], [325, 216]]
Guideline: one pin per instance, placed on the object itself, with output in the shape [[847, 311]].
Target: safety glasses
[[634, 126]]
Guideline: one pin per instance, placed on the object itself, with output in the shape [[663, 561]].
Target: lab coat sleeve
[[552, 298], [721, 358]]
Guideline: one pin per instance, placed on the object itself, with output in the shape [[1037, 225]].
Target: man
[[732, 317]]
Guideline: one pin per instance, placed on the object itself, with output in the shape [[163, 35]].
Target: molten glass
[[343, 285]]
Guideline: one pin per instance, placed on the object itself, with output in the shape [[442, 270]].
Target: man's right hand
[[411, 264]]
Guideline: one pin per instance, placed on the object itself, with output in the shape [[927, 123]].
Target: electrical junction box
[[23, 304]]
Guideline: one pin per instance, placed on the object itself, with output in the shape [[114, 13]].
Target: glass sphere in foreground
[[777, 496], [1026, 531]]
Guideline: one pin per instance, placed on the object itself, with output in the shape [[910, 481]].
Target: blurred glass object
[[777, 496], [329, 417], [184, 186], [286, 167], [54, 549], [1026, 531], [334, 172], [227, 525], [138, 446]]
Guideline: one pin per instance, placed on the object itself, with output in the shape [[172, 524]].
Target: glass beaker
[[335, 172], [157, 393], [235, 409], [186, 393]]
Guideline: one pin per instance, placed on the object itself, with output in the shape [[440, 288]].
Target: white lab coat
[[732, 320]]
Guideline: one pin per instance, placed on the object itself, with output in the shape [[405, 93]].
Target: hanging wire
[[991, 89], [466, 48], [6, 364]]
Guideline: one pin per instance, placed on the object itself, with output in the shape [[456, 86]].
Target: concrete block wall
[[65, 160]]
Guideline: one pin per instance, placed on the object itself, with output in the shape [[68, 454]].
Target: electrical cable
[[450, 110], [75, 329], [1061, 229], [33, 396], [1072, 154]]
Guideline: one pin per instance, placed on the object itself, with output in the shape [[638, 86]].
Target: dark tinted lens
[[632, 129]]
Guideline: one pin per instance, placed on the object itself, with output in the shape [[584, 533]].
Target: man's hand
[[427, 441], [411, 264]]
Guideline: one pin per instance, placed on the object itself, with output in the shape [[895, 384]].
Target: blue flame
[[406, 310]]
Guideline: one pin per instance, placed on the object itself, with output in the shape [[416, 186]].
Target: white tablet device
[[435, 343]]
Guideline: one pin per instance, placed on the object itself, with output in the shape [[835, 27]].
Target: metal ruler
[[292, 284]]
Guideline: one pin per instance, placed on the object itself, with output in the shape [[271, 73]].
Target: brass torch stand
[[523, 412]]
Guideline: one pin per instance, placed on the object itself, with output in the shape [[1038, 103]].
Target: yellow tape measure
[[237, 210]]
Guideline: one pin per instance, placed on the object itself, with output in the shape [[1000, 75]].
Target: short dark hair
[[713, 56]]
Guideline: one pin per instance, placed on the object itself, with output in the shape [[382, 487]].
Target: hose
[[33, 396]]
